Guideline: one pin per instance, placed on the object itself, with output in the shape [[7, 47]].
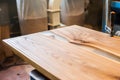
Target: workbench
[[70, 53]]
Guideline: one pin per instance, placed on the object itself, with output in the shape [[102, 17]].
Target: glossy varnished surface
[[83, 36], [62, 60]]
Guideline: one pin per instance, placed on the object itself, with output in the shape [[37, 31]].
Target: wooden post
[[4, 51], [54, 13]]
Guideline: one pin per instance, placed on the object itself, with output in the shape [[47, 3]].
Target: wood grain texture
[[60, 60], [83, 36]]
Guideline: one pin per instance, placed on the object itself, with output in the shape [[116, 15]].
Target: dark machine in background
[[111, 6], [115, 6]]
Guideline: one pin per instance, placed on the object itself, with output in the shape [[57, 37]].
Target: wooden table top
[[61, 60]]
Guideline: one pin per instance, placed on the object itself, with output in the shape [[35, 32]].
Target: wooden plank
[[60, 60], [83, 36], [88, 48]]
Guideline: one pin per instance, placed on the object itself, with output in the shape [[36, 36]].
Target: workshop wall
[[7, 15], [4, 23], [12, 16]]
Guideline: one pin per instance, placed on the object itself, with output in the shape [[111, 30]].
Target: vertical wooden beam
[[54, 13], [4, 33], [1, 51]]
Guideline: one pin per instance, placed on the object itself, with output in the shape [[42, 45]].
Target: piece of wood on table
[[84, 36], [117, 37], [60, 60], [94, 50]]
